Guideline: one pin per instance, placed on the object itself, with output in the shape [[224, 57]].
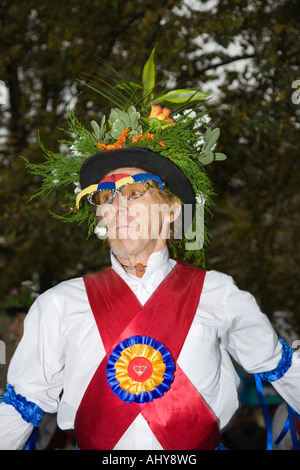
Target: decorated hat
[[97, 166], [166, 134]]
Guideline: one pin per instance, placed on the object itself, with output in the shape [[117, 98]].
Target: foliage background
[[245, 52]]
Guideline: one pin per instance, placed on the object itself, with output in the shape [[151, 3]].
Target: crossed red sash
[[180, 419]]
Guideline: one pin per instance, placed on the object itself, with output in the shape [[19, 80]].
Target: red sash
[[180, 419]]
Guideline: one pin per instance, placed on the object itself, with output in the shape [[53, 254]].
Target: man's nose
[[119, 202]]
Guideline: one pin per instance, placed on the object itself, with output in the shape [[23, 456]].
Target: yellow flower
[[162, 114]]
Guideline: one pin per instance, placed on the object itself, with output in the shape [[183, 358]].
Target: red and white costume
[[66, 350]]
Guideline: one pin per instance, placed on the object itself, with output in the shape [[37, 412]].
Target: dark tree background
[[245, 52]]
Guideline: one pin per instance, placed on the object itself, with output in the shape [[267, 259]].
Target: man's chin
[[121, 247]]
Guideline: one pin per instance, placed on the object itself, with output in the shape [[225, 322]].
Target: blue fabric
[[289, 425], [292, 415], [283, 366], [143, 397], [284, 431], [30, 412], [221, 447], [270, 376], [31, 444], [260, 391], [139, 178]]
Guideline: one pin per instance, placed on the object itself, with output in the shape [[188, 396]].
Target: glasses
[[129, 192]]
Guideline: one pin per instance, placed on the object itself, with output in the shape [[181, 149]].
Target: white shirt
[[61, 350]]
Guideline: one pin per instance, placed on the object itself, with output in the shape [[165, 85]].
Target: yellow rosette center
[[128, 362]]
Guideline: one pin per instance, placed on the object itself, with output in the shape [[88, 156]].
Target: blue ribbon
[[289, 425], [31, 444], [143, 397], [284, 364], [260, 391], [270, 376], [30, 412], [292, 415]]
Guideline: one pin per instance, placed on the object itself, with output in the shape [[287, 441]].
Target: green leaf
[[211, 138], [117, 128], [96, 129], [134, 117], [206, 157], [180, 96], [220, 156], [149, 76]]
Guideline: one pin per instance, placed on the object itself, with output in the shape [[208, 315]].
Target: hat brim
[[97, 166]]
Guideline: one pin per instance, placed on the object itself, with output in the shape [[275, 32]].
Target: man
[[141, 350], [68, 350]]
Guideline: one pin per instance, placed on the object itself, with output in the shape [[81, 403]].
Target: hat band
[[107, 183]]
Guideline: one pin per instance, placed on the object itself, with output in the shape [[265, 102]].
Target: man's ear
[[176, 209]]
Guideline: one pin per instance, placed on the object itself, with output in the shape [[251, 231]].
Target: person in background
[[17, 305]]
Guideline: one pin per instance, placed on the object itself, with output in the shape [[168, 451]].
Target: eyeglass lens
[[129, 191]]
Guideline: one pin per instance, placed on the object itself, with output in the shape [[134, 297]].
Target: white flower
[[74, 151], [190, 113], [77, 187]]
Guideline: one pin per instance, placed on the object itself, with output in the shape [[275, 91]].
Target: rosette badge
[[140, 369]]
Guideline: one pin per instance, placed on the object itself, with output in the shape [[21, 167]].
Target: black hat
[[97, 166]]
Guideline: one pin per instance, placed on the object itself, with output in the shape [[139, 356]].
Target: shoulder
[[223, 287], [71, 290], [214, 279]]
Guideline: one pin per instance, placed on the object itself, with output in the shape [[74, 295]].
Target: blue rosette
[[127, 382]]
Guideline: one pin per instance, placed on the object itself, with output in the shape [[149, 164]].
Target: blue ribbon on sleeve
[[270, 376], [30, 412]]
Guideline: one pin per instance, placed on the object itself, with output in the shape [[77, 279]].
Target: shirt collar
[[158, 263]]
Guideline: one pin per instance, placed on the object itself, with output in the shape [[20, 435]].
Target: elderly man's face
[[136, 226]]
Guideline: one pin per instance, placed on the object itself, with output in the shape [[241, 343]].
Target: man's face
[[137, 226]]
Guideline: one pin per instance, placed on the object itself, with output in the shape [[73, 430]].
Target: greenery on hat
[[173, 124]]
